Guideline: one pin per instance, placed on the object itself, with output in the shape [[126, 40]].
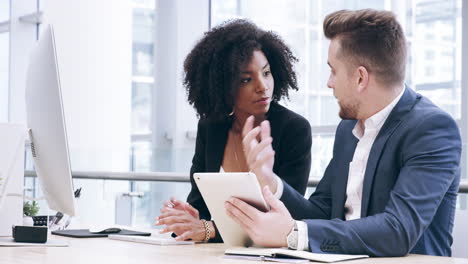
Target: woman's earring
[[232, 113]]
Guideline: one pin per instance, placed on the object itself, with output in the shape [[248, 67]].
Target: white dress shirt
[[366, 132]]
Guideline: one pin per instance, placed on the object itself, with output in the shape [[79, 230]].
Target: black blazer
[[292, 143]]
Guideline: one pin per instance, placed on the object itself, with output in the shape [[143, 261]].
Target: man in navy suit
[[391, 186]]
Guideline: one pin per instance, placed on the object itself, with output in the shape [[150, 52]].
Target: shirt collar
[[377, 120]]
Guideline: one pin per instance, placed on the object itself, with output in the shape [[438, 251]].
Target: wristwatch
[[293, 237]]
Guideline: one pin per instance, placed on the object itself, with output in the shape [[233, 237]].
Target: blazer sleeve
[[319, 204], [295, 154], [431, 152], [198, 165]]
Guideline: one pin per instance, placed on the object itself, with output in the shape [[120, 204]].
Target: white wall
[[94, 47], [94, 41], [4, 61], [22, 39]]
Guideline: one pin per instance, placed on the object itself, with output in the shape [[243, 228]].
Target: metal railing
[[167, 177]]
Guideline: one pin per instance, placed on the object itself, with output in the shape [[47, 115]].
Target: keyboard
[[41, 220], [151, 240]]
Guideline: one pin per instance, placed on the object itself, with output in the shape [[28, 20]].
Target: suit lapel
[[403, 107], [216, 138], [341, 184]]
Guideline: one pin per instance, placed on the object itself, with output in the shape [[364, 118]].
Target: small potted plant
[[30, 209]]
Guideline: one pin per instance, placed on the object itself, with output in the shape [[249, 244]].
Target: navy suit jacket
[[292, 141], [409, 190]]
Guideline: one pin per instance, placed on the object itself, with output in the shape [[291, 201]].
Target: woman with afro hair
[[235, 71]]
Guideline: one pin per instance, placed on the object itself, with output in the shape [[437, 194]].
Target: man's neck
[[378, 100]]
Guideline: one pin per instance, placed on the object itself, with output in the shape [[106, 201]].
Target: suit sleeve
[[198, 165], [318, 206], [295, 154], [431, 154]]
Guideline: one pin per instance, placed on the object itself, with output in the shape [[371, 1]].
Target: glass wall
[[142, 83], [143, 65], [434, 30]]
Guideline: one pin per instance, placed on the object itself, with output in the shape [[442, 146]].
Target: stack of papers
[[280, 253], [155, 240], [10, 242]]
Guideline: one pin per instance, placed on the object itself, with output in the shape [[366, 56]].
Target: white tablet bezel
[[217, 188]]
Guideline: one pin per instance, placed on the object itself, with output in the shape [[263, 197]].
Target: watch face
[[292, 240]]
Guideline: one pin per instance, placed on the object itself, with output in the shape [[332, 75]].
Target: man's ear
[[362, 78]]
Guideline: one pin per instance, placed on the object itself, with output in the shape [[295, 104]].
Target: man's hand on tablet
[[267, 229]]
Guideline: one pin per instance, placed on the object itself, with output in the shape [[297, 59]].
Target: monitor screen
[[46, 121]]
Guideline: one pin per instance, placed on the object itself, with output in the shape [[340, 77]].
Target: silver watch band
[[293, 237]]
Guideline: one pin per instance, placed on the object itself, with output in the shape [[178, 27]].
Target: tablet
[[217, 188]]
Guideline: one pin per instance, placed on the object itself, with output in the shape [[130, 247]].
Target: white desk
[[103, 250]]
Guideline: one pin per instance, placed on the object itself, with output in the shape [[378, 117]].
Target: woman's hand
[[183, 220], [260, 155]]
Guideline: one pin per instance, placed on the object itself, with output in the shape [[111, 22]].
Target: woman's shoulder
[[209, 123]]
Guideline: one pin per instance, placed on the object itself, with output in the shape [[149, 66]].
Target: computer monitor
[[46, 121]]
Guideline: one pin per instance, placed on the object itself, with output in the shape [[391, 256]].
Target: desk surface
[[103, 250]]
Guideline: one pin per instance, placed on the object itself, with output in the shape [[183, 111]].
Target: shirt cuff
[[279, 188], [303, 237]]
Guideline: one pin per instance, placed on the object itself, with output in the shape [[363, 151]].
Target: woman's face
[[255, 87]]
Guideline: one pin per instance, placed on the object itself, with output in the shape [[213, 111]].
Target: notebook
[[10, 242], [84, 233], [151, 240], [283, 252]]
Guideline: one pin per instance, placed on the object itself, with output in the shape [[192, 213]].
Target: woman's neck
[[239, 121]]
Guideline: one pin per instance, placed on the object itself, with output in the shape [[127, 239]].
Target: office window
[[143, 64], [433, 30], [142, 82], [4, 72], [437, 31], [4, 10], [141, 103]]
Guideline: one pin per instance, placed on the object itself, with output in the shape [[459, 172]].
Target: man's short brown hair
[[370, 38]]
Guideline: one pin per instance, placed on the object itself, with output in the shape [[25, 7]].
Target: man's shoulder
[[426, 111], [427, 125]]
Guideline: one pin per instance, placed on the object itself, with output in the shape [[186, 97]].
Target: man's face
[[341, 81]]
